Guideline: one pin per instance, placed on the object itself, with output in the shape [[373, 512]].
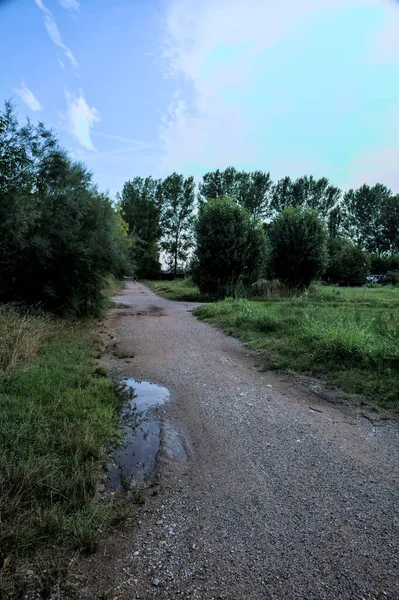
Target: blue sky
[[148, 87]]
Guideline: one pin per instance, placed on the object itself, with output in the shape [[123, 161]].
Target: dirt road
[[282, 495]]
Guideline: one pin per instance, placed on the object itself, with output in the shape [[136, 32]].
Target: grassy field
[[57, 415], [347, 336], [182, 290]]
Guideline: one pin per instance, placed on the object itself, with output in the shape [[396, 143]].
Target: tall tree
[[250, 189], [389, 225], [178, 203], [306, 192], [253, 193], [140, 202], [216, 184], [59, 236], [21, 151], [370, 218]]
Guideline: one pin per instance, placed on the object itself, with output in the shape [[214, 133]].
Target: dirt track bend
[[284, 496]]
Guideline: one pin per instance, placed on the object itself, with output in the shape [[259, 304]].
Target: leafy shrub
[[346, 263], [230, 250], [60, 237], [298, 247]]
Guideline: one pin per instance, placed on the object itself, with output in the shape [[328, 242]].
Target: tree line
[[60, 237], [361, 225]]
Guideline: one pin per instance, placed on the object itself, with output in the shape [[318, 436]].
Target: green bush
[[347, 264], [231, 248], [298, 247], [60, 237]]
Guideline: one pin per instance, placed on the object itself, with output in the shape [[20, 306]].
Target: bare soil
[[278, 494]]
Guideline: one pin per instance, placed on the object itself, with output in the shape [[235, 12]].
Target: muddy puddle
[[134, 460]]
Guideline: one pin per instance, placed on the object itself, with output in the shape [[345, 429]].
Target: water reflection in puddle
[[135, 459]]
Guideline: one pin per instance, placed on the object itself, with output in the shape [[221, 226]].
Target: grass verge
[[347, 336], [56, 418], [183, 290]]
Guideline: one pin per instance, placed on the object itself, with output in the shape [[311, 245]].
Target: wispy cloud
[[28, 97], [116, 152], [80, 119], [69, 4], [54, 33], [137, 144]]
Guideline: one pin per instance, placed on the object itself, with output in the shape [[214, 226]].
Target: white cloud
[[207, 127], [69, 4], [54, 33], [80, 119], [28, 97]]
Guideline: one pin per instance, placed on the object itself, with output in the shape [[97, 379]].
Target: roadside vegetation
[[63, 243], [347, 336], [57, 417]]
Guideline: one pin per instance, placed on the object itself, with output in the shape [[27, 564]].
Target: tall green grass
[[348, 336], [56, 419]]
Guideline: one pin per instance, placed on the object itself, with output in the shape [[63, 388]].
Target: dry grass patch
[[21, 335]]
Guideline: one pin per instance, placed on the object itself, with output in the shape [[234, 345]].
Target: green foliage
[[250, 189], [56, 419], [298, 247], [178, 202], [231, 248], [347, 264], [370, 218], [59, 237], [126, 248], [305, 192], [385, 265], [217, 184], [140, 203], [349, 336]]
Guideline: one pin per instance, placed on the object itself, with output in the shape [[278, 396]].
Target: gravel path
[[278, 495]]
